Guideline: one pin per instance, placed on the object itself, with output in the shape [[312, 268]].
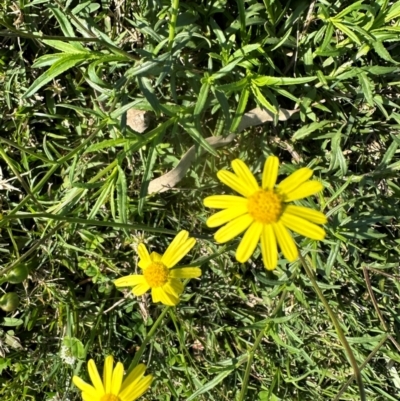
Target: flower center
[[265, 206], [110, 397], [156, 275]]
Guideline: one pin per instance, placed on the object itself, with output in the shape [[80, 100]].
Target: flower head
[[112, 388], [165, 283], [264, 212]]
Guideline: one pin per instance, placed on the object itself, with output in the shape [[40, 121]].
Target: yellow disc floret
[[109, 397], [156, 274], [265, 206]]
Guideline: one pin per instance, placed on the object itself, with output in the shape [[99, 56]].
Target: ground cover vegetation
[[79, 228]]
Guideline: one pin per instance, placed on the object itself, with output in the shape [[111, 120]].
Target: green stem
[[256, 345], [364, 364], [149, 336], [339, 330], [172, 24]]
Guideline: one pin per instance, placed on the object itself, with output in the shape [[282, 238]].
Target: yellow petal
[[86, 388], [185, 272], [155, 294], [303, 227], [176, 243], [269, 247], [144, 254], [143, 265], [107, 373], [224, 201], [294, 180], [133, 377], [312, 215], [270, 173], [174, 287], [168, 299], [178, 249], [117, 378], [129, 281], [95, 377], [140, 289], [244, 173], [155, 257], [233, 228], [135, 391], [249, 242], [88, 397], [222, 217], [234, 182], [285, 241], [304, 190]]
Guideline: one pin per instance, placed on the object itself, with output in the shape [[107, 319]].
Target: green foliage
[[75, 206]]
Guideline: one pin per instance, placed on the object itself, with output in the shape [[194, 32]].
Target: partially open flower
[[165, 283]]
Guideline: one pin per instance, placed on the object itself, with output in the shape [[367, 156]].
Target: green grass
[[78, 205]]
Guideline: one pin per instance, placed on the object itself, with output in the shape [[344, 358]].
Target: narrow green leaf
[[262, 100], [349, 9], [228, 68], [282, 40], [242, 19], [309, 129], [66, 47], [110, 143], [265, 80], [60, 66], [347, 31], [122, 196], [234, 86], [243, 51], [65, 25], [47, 60], [241, 108], [92, 74], [147, 174], [321, 77], [211, 384], [201, 101], [102, 198], [382, 52], [218, 32], [380, 70], [393, 12], [148, 66], [147, 89], [197, 137], [366, 88], [390, 152], [327, 37]]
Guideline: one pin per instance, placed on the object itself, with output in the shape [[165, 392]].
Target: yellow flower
[[264, 211], [112, 388], [165, 282]]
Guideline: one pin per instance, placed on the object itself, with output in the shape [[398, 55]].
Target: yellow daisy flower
[[264, 211], [112, 388], [165, 282]]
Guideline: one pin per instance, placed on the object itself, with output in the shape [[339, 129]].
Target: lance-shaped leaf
[[63, 64]]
